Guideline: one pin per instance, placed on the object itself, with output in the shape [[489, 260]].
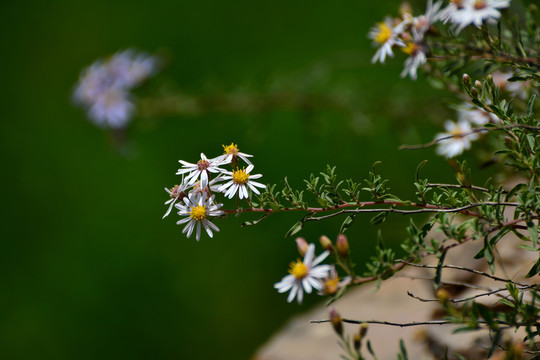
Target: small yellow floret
[[298, 269], [384, 34], [409, 49], [231, 149], [198, 212], [240, 177]]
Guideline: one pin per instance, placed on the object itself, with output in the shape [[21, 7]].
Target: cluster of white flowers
[[104, 87], [458, 135], [408, 32], [195, 196]]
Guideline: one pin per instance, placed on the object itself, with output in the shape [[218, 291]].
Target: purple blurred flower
[[103, 88]]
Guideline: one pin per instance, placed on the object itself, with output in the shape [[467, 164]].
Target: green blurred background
[[89, 268]]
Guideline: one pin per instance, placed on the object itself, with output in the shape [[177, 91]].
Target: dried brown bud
[[326, 243], [443, 295], [343, 246], [360, 335], [336, 320], [302, 245]]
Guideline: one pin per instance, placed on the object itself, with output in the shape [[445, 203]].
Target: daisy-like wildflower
[[417, 57], [232, 154], [103, 88], [239, 181], [421, 24], [200, 170], [177, 192], [460, 140], [476, 12], [386, 35], [304, 275], [198, 208]]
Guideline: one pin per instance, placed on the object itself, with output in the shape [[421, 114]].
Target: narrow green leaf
[[418, 168], [347, 223], [534, 270], [494, 343], [255, 222], [530, 106], [438, 272], [379, 218], [403, 350], [295, 229], [533, 232]]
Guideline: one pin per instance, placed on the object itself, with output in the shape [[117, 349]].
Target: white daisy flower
[[304, 275], [386, 35], [177, 192], [421, 24], [198, 208], [200, 170], [460, 141], [417, 57], [232, 154], [475, 115], [239, 181], [476, 12]]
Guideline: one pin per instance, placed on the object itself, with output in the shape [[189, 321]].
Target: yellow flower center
[[240, 177], [409, 49], [456, 132], [479, 4], [458, 3], [298, 269], [198, 212], [331, 286], [384, 34], [231, 149]]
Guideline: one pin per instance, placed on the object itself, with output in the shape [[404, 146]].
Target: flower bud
[[336, 320], [343, 246], [443, 295], [326, 243], [533, 8], [466, 80], [474, 93], [360, 335], [302, 245], [478, 84]]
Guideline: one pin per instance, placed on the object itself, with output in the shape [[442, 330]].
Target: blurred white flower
[[240, 180], [197, 209], [103, 88], [460, 140], [417, 57], [519, 89], [474, 12], [386, 35], [304, 275], [421, 24], [475, 116]]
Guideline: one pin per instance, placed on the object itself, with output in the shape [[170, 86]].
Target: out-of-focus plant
[[487, 54]]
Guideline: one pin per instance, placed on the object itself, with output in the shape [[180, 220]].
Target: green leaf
[[379, 218], [370, 349], [255, 222], [295, 228], [506, 302], [532, 232], [438, 272], [534, 270], [530, 106], [403, 350], [347, 223]]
